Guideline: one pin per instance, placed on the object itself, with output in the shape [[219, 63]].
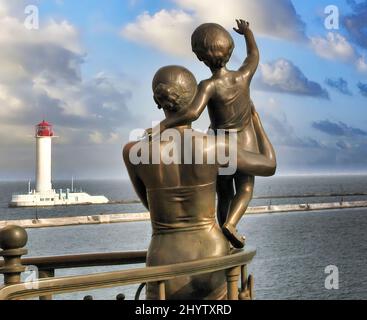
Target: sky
[[86, 66]]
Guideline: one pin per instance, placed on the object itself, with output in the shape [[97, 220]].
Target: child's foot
[[232, 235]]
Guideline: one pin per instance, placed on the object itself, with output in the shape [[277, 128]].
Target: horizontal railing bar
[[85, 260], [313, 195], [125, 277]]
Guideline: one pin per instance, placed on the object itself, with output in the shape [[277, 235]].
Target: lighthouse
[[44, 135], [44, 195]]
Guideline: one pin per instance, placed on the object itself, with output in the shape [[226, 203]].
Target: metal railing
[[14, 238]]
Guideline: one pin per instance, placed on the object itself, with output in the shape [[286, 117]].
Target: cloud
[[334, 46], [15, 8], [355, 23], [337, 47], [343, 149], [294, 152], [362, 88], [170, 30], [279, 129], [283, 134], [339, 129], [41, 76], [362, 64], [340, 85], [343, 145], [284, 77], [278, 21]]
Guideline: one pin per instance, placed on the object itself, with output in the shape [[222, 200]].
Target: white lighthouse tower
[[44, 194], [44, 136]]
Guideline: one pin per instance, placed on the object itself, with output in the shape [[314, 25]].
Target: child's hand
[[243, 26]]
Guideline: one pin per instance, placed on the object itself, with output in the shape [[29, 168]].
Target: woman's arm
[[255, 164], [265, 146], [251, 62], [136, 181], [263, 164]]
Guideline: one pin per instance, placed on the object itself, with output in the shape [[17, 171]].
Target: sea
[[294, 250]]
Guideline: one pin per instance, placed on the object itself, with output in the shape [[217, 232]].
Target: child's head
[[174, 88], [212, 44]]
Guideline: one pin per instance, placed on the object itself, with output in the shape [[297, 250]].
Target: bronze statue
[[181, 196], [227, 95]]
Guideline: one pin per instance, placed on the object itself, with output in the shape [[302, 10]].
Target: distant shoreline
[[134, 217], [263, 197], [284, 175]]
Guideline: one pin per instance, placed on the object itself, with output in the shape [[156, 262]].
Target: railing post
[[46, 274], [12, 242], [233, 275], [247, 285], [161, 290]]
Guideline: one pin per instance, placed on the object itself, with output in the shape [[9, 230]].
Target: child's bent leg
[[244, 192], [238, 207], [225, 192]]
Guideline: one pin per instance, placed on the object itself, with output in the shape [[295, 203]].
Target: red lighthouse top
[[44, 129]]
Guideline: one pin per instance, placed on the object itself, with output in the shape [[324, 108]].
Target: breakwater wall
[[132, 217]]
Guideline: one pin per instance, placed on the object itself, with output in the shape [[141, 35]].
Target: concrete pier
[[131, 217]]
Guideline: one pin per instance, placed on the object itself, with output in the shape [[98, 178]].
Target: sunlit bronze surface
[[189, 257], [227, 96], [181, 197], [12, 246]]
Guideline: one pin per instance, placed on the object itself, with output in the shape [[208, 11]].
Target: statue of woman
[[181, 195]]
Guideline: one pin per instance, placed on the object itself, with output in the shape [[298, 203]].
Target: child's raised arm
[[191, 112], [251, 63]]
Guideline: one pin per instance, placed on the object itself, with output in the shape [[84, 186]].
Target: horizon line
[[291, 174]]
